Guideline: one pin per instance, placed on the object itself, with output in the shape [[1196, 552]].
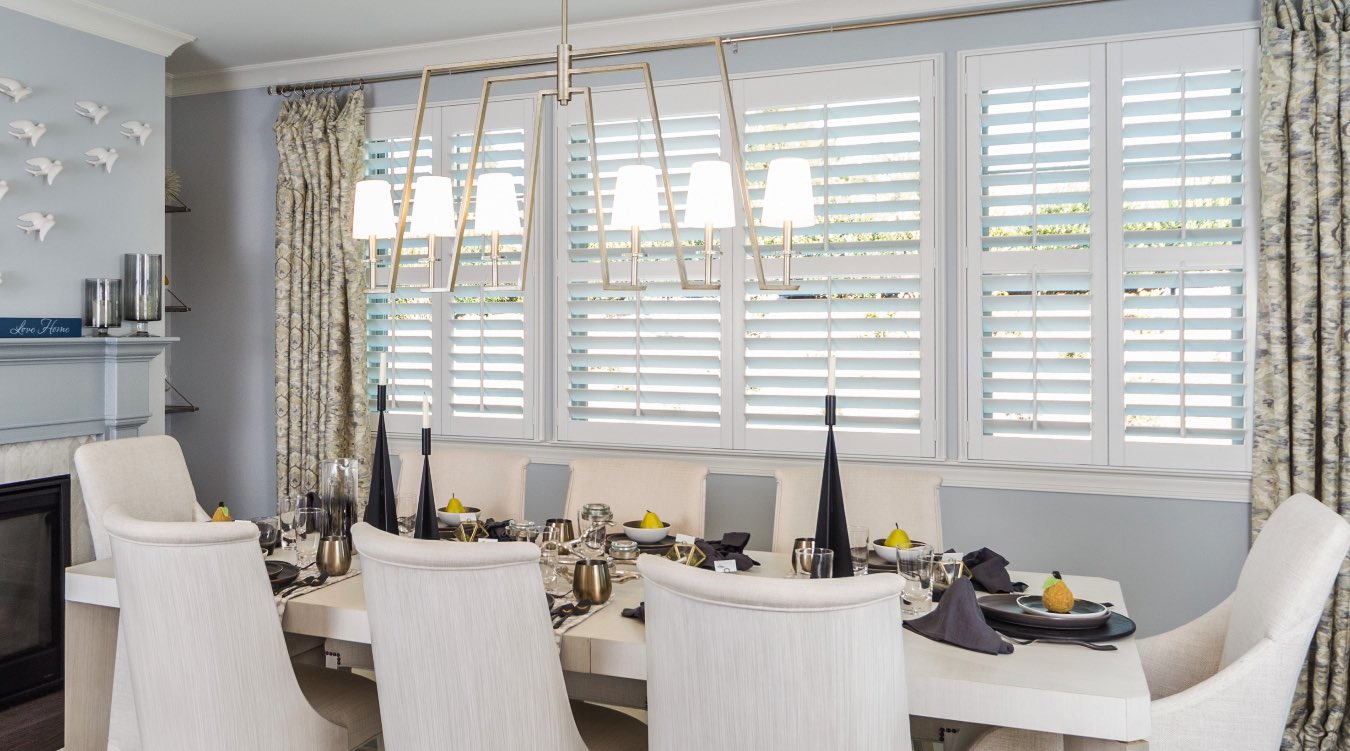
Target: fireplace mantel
[[62, 388]]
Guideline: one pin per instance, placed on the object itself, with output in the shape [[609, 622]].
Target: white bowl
[[469, 514], [888, 554], [645, 536]]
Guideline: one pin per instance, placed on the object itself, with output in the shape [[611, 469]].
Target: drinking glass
[[407, 525], [857, 548], [548, 540], [915, 565], [286, 507], [309, 528], [821, 562], [268, 533], [798, 568]]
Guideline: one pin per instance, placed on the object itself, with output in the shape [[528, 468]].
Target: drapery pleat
[[1301, 408], [321, 333]]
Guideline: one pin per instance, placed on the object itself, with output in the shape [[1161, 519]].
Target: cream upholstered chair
[[674, 490], [493, 481], [1224, 681], [208, 661], [879, 497], [147, 477], [465, 652], [757, 662]]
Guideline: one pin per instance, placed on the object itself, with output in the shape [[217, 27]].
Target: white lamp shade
[[496, 208], [708, 201], [433, 210], [373, 212], [635, 198], [788, 196]]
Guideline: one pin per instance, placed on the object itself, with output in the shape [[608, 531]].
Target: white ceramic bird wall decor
[[27, 130], [101, 157], [14, 90], [45, 167], [92, 110], [36, 221], [137, 131], [4, 188]]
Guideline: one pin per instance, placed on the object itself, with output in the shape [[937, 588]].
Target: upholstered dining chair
[[208, 662], [466, 654], [674, 490], [1224, 681], [751, 662], [878, 497], [493, 481]]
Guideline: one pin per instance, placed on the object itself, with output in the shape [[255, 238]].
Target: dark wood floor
[[35, 725]]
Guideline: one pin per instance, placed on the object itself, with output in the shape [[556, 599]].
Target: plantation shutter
[[1188, 227], [640, 367], [1035, 224], [401, 325], [863, 293], [489, 333]]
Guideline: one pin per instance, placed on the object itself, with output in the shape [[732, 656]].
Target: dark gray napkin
[[989, 571], [958, 621], [639, 612], [730, 548]]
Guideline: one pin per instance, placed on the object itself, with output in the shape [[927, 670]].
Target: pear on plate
[[651, 521], [1056, 595], [222, 513], [898, 538]]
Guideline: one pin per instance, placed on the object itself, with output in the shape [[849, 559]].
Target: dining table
[[1098, 700]]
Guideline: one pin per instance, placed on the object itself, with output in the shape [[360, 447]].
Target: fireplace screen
[[34, 533]]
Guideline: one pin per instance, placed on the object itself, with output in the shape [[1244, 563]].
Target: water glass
[[820, 562], [801, 567], [915, 566], [549, 543], [407, 525], [286, 506], [309, 529], [858, 541]]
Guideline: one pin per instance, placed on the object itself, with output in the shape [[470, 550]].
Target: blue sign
[[39, 328]]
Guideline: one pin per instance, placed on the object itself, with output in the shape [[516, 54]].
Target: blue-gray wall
[[1175, 557]]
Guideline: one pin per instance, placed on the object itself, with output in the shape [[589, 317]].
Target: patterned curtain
[[1302, 407], [321, 303]]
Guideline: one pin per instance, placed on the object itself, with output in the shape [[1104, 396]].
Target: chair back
[[674, 490], [761, 662], [493, 481], [878, 497], [463, 645], [1285, 582], [208, 661], [147, 477]]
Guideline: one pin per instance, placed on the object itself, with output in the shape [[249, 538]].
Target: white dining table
[[1098, 700]]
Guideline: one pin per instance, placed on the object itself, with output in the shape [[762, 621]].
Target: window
[[1108, 236]]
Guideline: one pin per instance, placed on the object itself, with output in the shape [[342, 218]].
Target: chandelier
[[710, 205]]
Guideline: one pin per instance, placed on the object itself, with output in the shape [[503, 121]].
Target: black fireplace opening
[[34, 553]]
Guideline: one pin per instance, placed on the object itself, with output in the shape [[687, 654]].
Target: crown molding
[[739, 18], [99, 21]]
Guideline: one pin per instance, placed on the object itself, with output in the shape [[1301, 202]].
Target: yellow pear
[[454, 507], [1056, 595], [898, 538], [222, 514], [651, 521]]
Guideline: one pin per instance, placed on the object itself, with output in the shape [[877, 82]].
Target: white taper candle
[[384, 369], [426, 412], [829, 385]]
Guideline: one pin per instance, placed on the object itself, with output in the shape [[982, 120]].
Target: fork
[[1060, 640]]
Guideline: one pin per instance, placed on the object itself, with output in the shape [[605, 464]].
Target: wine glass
[[308, 525], [915, 566]]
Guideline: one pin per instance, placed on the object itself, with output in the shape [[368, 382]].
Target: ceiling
[[249, 32]]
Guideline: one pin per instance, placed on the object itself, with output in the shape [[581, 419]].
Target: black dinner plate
[[281, 573], [1005, 608], [1116, 627]]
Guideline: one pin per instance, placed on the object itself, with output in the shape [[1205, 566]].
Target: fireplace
[[34, 552]]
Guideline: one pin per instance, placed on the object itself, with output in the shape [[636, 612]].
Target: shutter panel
[[860, 293], [643, 367], [401, 324]]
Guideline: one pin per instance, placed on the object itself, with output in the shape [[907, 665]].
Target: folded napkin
[[989, 571], [729, 548], [958, 621], [639, 612]]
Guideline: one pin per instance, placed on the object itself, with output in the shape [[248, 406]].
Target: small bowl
[[888, 554], [469, 514], [645, 536], [623, 550]]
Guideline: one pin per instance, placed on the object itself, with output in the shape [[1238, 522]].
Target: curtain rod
[[515, 62]]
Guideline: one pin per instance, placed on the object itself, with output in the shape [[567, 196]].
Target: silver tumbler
[[102, 304], [142, 289]]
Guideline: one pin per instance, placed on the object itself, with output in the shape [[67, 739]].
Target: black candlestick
[[382, 509], [426, 527], [831, 524]]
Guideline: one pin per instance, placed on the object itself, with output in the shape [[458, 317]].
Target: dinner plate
[[1005, 608], [1116, 626], [281, 573], [1083, 610]]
